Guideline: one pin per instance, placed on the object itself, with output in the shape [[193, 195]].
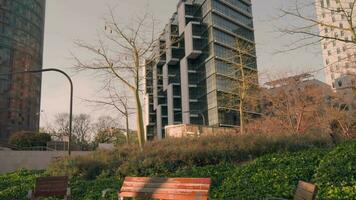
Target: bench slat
[[163, 196], [167, 185], [163, 190], [168, 180]]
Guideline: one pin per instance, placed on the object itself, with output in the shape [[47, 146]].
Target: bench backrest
[[305, 191], [51, 186], [166, 188]]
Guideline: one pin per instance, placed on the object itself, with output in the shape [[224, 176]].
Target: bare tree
[[119, 103], [300, 103], [242, 86], [105, 128], [60, 127], [121, 53], [82, 127], [311, 28]]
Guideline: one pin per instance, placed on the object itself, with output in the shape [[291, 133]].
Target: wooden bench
[[165, 188], [50, 187], [305, 191]]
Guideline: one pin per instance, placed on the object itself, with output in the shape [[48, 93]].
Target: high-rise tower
[[21, 48], [189, 70], [339, 55]]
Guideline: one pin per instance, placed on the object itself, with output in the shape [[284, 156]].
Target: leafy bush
[[16, 185], [25, 139], [86, 167], [217, 173], [275, 175], [336, 174], [92, 190]]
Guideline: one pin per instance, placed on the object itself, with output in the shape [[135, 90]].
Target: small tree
[[242, 89], [121, 55], [299, 104], [116, 102], [82, 128]]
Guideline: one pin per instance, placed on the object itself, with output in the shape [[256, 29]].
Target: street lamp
[[71, 95]]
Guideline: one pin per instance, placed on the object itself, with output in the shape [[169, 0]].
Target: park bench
[[50, 187], [305, 191], [165, 188]]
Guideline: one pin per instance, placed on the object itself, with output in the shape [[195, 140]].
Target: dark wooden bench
[[165, 188], [305, 191], [50, 187]]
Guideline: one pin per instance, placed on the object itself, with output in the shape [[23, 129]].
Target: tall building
[[190, 68], [339, 56], [21, 48]]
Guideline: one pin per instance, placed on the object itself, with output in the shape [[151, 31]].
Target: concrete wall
[[190, 130], [33, 160]]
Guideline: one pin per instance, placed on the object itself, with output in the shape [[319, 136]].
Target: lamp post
[[71, 96]]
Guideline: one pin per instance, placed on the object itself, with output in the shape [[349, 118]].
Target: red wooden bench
[[165, 188], [50, 187]]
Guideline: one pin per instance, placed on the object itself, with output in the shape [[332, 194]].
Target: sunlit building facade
[[339, 55], [190, 70], [21, 48]]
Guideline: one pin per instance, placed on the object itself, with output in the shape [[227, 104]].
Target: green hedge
[[16, 185], [275, 175], [336, 174]]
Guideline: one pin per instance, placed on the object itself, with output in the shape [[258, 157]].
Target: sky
[[68, 21]]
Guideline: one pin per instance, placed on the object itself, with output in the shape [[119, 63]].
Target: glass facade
[[21, 47], [208, 30]]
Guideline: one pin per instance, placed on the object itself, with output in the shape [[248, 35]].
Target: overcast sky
[[70, 20]]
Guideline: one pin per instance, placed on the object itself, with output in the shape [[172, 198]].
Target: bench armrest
[[29, 194], [69, 194], [105, 192]]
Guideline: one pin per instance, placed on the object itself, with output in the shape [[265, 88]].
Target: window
[[231, 13], [233, 27]]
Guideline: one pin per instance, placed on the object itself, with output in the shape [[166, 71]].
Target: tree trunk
[[127, 127], [139, 120], [242, 123]]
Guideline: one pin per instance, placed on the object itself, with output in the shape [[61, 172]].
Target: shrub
[[170, 155], [90, 190], [275, 175], [336, 174], [217, 173], [25, 139], [16, 185], [81, 167]]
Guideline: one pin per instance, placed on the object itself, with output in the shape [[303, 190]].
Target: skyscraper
[[339, 55], [21, 48], [190, 69]]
